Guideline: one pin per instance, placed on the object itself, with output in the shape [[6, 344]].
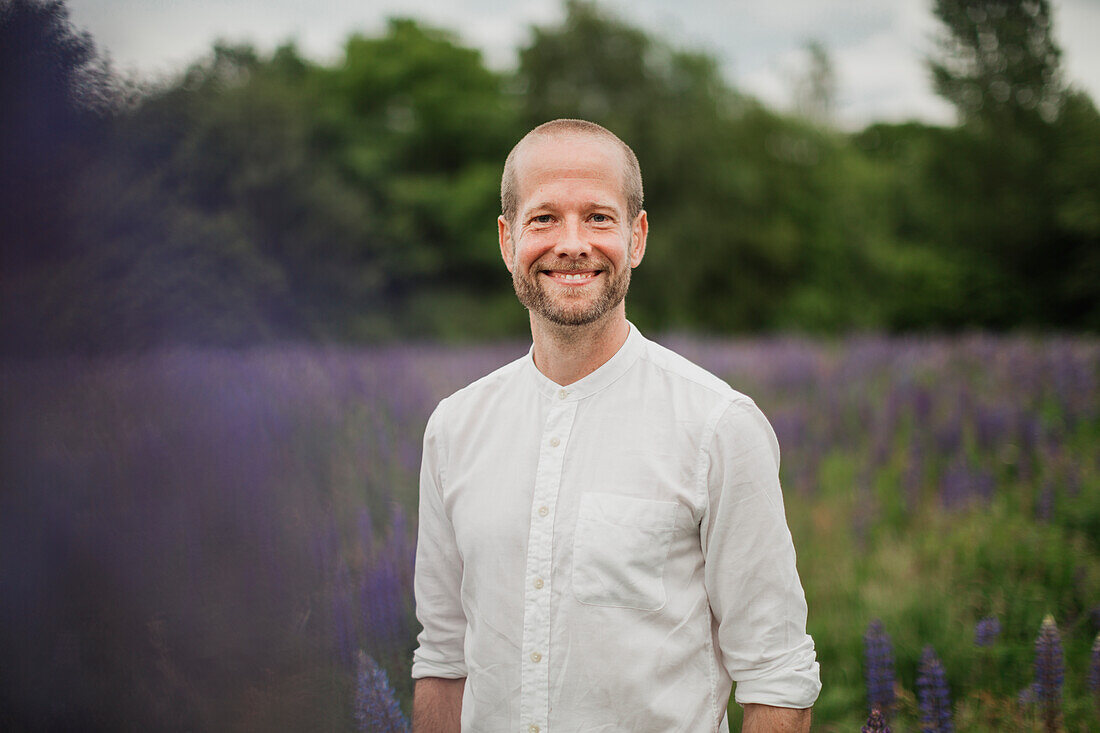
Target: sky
[[877, 47]]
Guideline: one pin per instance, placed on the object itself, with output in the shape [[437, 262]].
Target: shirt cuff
[[786, 689], [428, 668]]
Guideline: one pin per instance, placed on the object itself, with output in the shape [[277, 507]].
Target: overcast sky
[[876, 46]]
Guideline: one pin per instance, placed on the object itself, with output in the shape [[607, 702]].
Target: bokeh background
[[234, 285]]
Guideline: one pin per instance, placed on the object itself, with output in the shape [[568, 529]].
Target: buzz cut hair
[[632, 172]]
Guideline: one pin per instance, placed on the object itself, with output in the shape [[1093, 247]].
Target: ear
[[504, 234], [638, 233]]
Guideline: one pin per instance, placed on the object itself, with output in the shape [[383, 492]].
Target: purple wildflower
[[376, 708], [1049, 672], [876, 723], [933, 695], [382, 600], [986, 631], [879, 656], [962, 483]]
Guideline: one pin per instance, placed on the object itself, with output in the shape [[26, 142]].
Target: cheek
[[530, 250], [614, 246]]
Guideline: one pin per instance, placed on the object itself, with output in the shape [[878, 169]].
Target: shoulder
[[475, 395], [731, 417], [690, 376]]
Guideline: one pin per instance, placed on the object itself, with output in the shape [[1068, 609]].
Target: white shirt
[[610, 555]]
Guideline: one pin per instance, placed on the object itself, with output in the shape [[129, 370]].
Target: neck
[[566, 354]]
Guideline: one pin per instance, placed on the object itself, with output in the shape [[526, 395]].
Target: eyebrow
[[587, 205], [540, 205]]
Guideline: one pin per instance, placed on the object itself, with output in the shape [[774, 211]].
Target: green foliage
[[998, 62], [815, 93], [264, 196], [421, 128], [761, 218], [55, 92], [1002, 183], [363, 185]]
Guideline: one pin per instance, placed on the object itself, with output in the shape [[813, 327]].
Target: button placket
[[534, 669]]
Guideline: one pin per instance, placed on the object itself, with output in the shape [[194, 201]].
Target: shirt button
[[554, 442], [562, 394], [543, 511], [538, 582], [533, 728], [536, 657]]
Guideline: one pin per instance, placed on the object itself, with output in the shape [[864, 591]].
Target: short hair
[[632, 172]]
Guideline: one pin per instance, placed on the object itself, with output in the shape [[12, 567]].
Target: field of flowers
[[224, 540]]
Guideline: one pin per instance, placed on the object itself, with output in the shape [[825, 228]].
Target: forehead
[[580, 160]]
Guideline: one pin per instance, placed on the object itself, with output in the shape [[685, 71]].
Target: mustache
[[575, 266]]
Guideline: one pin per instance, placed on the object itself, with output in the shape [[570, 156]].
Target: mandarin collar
[[602, 377]]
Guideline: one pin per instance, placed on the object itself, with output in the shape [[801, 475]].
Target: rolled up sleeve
[[751, 579], [438, 579]]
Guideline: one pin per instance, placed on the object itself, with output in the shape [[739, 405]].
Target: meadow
[[200, 539]]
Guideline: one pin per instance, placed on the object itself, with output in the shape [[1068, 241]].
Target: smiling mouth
[[572, 277]]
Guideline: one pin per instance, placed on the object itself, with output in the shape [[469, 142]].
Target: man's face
[[571, 248]]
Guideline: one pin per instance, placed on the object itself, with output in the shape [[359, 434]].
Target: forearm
[[769, 719], [437, 705]]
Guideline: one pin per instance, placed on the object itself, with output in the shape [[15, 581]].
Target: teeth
[[574, 275]]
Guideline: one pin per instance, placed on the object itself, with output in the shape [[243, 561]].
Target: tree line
[[258, 197]]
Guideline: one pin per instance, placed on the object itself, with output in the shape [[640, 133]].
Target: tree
[[367, 189], [815, 90], [56, 94], [755, 216], [419, 127], [998, 62], [1002, 175]]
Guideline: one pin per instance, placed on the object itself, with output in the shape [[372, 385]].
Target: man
[[602, 541]]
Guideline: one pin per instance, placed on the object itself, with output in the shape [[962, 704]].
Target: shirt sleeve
[[751, 579], [438, 578]]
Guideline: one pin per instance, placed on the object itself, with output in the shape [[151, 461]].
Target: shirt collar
[[604, 375]]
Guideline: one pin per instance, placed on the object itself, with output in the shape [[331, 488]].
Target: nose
[[572, 242]]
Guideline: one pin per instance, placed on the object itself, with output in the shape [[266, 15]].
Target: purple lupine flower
[[1050, 671], [876, 723], [381, 600], [376, 708], [934, 697], [986, 631], [962, 483], [879, 657]]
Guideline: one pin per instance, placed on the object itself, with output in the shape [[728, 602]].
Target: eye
[[542, 219], [601, 218]]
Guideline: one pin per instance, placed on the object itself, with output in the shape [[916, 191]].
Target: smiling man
[[602, 541]]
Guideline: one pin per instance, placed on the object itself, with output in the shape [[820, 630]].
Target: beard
[[568, 308]]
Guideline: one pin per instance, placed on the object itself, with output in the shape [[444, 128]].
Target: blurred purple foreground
[[205, 540]]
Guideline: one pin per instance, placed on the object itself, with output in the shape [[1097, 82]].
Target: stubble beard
[[565, 310]]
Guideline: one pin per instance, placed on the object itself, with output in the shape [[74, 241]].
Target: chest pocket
[[619, 550]]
